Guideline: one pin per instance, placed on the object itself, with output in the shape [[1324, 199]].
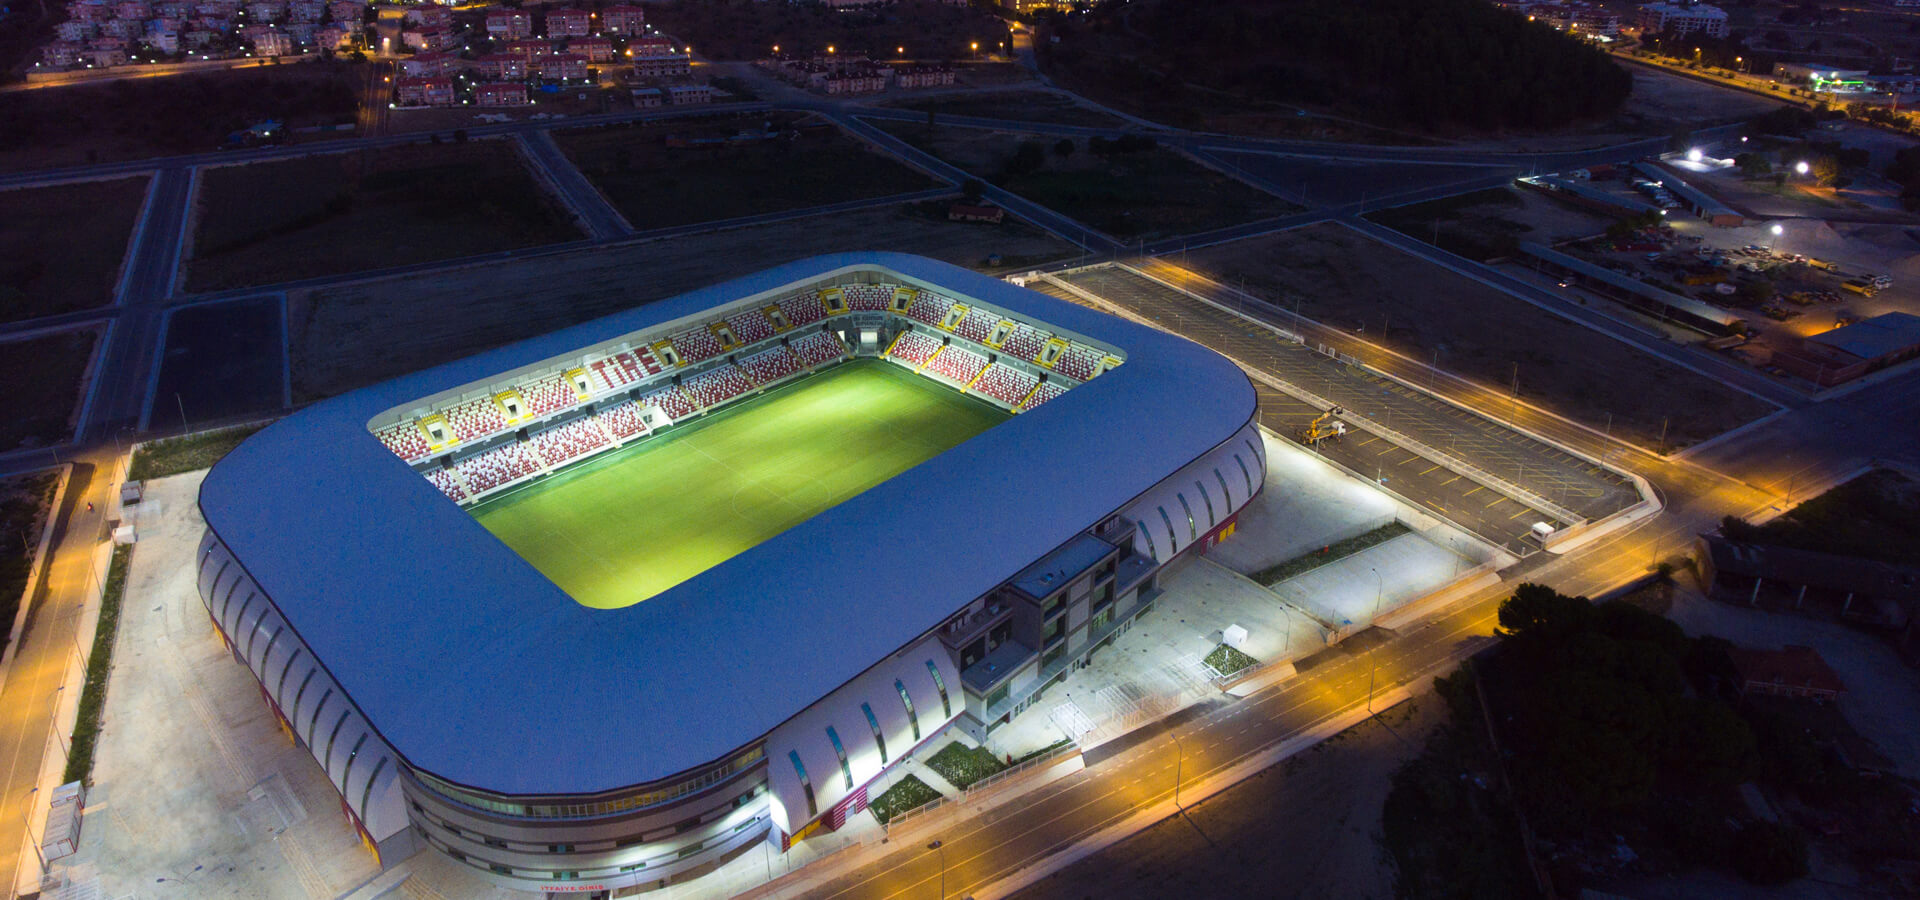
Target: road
[[551, 165]]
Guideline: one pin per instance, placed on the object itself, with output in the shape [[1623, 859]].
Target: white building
[[1696, 18]]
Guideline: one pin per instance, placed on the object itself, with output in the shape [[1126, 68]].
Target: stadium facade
[[459, 700]]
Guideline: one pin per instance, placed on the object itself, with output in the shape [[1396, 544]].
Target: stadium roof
[[478, 670]]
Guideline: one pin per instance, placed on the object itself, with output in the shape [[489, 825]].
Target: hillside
[[1432, 66]]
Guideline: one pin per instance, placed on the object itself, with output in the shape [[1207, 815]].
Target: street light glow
[[1777, 230], [1694, 155], [1801, 167]]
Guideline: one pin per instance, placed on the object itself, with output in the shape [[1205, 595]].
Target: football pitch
[[626, 525]]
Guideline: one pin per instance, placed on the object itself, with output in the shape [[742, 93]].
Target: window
[[1225, 494], [559, 848], [1173, 543], [565, 876], [1256, 454], [1056, 632], [1212, 519], [367, 792], [499, 869], [271, 640], [1151, 549], [813, 809], [1193, 533], [879, 740], [946, 705], [1100, 619], [293, 716], [280, 687], [1244, 473], [907, 701], [326, 759], [313, 725], [998, 696], [347, 773], [840, 750]]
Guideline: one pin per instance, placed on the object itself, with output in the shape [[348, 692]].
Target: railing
[[1001, 777]]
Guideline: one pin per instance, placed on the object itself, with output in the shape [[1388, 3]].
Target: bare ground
[[1349, 281], [356, 334], [1309, 827]]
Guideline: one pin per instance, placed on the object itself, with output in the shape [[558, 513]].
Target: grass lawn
[[45, 375], [187, 453], [1149, 193], [348, 212], [908, 793], [1307, 562], [961, 765], [93, 695], [1876, 515], [1227, 660], [623, 527], [61, 246], [657, 186], [24, 502]]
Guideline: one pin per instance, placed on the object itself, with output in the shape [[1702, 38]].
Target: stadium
[[597, 611]]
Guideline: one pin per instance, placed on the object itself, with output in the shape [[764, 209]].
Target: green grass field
[[625, 526]]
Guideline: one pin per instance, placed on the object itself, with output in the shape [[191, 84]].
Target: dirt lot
[[1149, 193], [1491, 223], [357, 334], [658, 186], [353, 211], [1253, 840], [1662, 102], [142, 117], [44, 376], [1348, 281], [61, 246], [1024, 106]]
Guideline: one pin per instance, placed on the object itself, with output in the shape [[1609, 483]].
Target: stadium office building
[[458, 699]]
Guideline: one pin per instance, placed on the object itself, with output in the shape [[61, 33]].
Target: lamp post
[[939, 847], [1379, 590], [1775, 230], [1179, 755]]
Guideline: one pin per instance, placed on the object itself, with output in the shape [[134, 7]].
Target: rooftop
[[477, 669], [1883, 335], [1062, 565]]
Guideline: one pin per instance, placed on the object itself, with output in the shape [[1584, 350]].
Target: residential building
[[430, 39], [647, 98], [61, 54], [689, 94], [332, 37], [435, 90], [509, 24], [105, 57], [421, 65], [662, 66], [347, 10], [1678, 18], [532, 49], [624, 19], [164, 41], [595, 49], [512, 93], [504, 66], [132, 9], [430, 16], [1777, 577], [77, 29], [563, 67], [1792, 671], [273, 42], [647, 47], [568, 22], [922, 76], [261, 12]]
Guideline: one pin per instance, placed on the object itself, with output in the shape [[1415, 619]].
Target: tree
[[1538, 612], [1064, 148], [1031, 156], [971, 189], [1827, 171], [1770, 853], [1753, 165]]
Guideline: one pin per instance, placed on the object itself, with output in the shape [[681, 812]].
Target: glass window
[[946, 705], [879, 740], [1193, 532], [1173, 543], [1256, 455], [1225, 495], [334, 735], [1212, 519], [998, 696], [813, 809], [1244, 473], [271, 640], [907, 701], [1145, 533], [293, 715], [840, 750], [366, 793], [354, 754], [280, 687], [313, 725]]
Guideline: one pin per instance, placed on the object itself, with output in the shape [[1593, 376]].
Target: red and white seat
[[956, 364], [1078, 361], [448, 484], [569, 441], [405, 440], [1005, 384], [672, 401], [1024, 342], [804, 309], [716, 386], [500, 466], [868, 297], [977, 325], [696, 344], [549, 395], [475, 419], [930, 308], [819, 348], [914, 347], [1047, 390], [771, 365], [751, 327], [609, 374], [644, 355], [624, 420]]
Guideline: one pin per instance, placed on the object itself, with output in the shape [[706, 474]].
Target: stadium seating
[[977, 325], [803, 310], [1024, 342], [914, 347], [608, 374], [502, 465], [771, 365], [1005, 384], [448, 484], [1079, 361], [571, 440], [956, 364], [868, 297], [696, 344], [644, 355], [929, 307], [549, 395], [475, 419], [819, 348], [624, 420], [717, 386], [751, 327], [404, 439], [672, 401], [1047, 390]]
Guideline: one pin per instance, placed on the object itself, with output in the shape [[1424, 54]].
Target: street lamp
[[1179, 754], [1776, 231], [938, 847], [1802, 167]]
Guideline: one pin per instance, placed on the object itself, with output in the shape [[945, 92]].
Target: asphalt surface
[[602, 221]]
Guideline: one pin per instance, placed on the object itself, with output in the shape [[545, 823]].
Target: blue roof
[[477, 669], [1062, 565]]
